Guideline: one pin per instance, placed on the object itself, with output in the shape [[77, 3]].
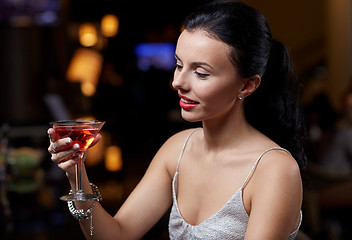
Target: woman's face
[[206, 80]]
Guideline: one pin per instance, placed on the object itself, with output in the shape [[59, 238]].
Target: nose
[[179, 81], [175, 83]]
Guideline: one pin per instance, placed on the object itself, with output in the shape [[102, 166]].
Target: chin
[[190, 117]]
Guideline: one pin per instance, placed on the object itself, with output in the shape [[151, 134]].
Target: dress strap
[[257, 161], [184, 146]]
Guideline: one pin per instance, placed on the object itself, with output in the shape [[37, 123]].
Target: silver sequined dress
[[230, 222]]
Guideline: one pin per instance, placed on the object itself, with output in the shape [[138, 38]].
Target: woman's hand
[[63, 153]]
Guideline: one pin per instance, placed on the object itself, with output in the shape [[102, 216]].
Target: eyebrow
[[195, 63]]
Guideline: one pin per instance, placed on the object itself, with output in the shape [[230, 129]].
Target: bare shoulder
[[171, 149], [276, 193], [279, 164], [176, 141], [278, 173]]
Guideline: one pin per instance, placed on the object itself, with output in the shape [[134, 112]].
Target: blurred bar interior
[[113, 60]]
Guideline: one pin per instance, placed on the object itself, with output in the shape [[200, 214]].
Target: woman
[[229, 180]]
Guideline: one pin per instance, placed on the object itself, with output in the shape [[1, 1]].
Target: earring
[[240, 97]]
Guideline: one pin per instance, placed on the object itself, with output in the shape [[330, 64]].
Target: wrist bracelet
[[80, 214]]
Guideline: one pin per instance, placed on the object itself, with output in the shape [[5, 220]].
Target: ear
[[250, 85]]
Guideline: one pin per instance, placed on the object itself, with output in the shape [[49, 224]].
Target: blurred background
[[113, 60]]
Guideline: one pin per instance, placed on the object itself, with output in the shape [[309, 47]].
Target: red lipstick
[[187, 103]]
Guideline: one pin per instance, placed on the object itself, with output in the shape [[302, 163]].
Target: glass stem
[[79, 173]]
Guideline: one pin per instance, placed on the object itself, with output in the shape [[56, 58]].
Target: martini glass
[[83, 133]]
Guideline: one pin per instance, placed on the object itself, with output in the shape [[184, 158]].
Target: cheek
[[218, 95], [221, 88]]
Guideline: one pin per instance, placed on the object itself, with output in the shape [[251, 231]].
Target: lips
[[187, 103]]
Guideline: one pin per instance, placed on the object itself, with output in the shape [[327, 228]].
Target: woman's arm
[[143, 208], [275, 193], [147, 203]]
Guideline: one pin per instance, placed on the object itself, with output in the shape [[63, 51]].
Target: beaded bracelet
[[80, 214]]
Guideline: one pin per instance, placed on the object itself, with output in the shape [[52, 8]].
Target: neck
[[226, 132]]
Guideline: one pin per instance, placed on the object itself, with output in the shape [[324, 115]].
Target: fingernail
[[68, 141], [75, 147], [49, 132]]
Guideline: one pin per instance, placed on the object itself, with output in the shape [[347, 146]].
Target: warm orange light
[[113, 159], [88, 88], [96, 153], [182, 28], [85, 67], [88, 35], [109, 25], [86, 118]]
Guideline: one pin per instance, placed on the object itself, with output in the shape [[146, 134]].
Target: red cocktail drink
[[82, 133]]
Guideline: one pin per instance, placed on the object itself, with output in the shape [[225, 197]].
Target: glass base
[[79, 196]]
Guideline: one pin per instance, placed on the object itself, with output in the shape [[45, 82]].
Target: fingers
[[63, 152], [61, 149], [52, 135], [65, 155], [60, 145], [67, 159]]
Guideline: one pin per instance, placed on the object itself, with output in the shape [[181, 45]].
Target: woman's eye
[[178, 66], [201, 75]]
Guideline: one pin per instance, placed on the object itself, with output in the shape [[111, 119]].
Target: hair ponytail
[[274, 107]]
